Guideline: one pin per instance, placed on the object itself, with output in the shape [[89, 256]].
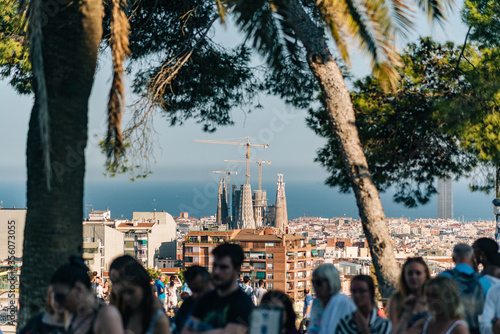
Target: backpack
[[247, 289], [471, 297]]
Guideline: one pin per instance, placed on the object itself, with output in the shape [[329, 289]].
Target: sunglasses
[[60, 297]]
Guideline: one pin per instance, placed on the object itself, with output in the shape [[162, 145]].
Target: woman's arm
[[392, 312]]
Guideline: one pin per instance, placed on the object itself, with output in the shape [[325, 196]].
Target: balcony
[[259, 266], [257, 255]]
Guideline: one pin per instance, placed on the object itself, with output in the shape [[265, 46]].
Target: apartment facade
[[148, 236], [284, 261], [102, 243]]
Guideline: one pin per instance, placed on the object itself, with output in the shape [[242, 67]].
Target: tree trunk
[[337, 101], [71, 36], [497, 182]]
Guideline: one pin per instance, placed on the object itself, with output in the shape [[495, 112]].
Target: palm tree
[[64, 41], [374, 23]]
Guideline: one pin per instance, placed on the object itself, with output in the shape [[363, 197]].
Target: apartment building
[[148, 236], [198, 245], [102, 243], [284, 261]]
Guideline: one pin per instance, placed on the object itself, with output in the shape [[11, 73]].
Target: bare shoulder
[[109, 321], [460, 329], [110, 311], [162, 325]]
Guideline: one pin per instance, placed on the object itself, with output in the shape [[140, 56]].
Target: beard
[[223, 284]]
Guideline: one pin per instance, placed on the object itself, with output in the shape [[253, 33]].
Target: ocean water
[[310, 198]]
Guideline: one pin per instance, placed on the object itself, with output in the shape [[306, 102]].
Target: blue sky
[[292, 145]]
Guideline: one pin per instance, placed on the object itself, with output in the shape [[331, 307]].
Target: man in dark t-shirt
[[227, 307], [198, 281]]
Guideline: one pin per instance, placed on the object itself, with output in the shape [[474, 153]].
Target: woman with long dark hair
[[71, 289], [52, 321], [141, 311], [280, 299], [407, 305]]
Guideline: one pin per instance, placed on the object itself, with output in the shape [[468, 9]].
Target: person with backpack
[[473, 288], [246, 287]]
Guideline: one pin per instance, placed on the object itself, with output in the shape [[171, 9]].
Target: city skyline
[[292, 147]]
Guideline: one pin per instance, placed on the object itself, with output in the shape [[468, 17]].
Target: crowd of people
[[460, 300]]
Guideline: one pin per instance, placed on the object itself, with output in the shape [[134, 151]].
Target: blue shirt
[[159, 285], [468, 270], [308, 301]]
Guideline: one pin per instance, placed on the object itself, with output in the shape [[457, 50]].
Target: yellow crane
[[227, 142], [260, 162]]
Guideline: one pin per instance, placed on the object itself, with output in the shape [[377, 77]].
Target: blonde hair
[[448, 301], [403, 290]]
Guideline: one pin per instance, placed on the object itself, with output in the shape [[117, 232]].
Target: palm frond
[[403, 17], [370, 23], [258, 20], [290, 41], [120, 49], [435, 9], [333, 14], [221, 8]]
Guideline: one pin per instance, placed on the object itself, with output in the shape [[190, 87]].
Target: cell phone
[[266, 319]]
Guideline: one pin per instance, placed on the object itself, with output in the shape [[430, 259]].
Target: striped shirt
[[377, 325]]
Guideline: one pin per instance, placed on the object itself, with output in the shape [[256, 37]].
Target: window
[[270, 286], [270, 255], [261, 274], [188, 250], [270, 276], [270, 244], [270, 266], [259, 265], [193, 238], [204, 238], [188, 259]]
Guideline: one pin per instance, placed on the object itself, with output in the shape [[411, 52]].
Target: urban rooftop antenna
[[247, 144]]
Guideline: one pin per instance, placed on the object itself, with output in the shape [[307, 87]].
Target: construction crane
[[247, 144], [228, 172], [260, 162]]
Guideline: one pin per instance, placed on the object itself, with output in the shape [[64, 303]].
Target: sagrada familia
[[252, 211]]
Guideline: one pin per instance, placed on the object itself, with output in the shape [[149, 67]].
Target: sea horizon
[[199, 198]]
